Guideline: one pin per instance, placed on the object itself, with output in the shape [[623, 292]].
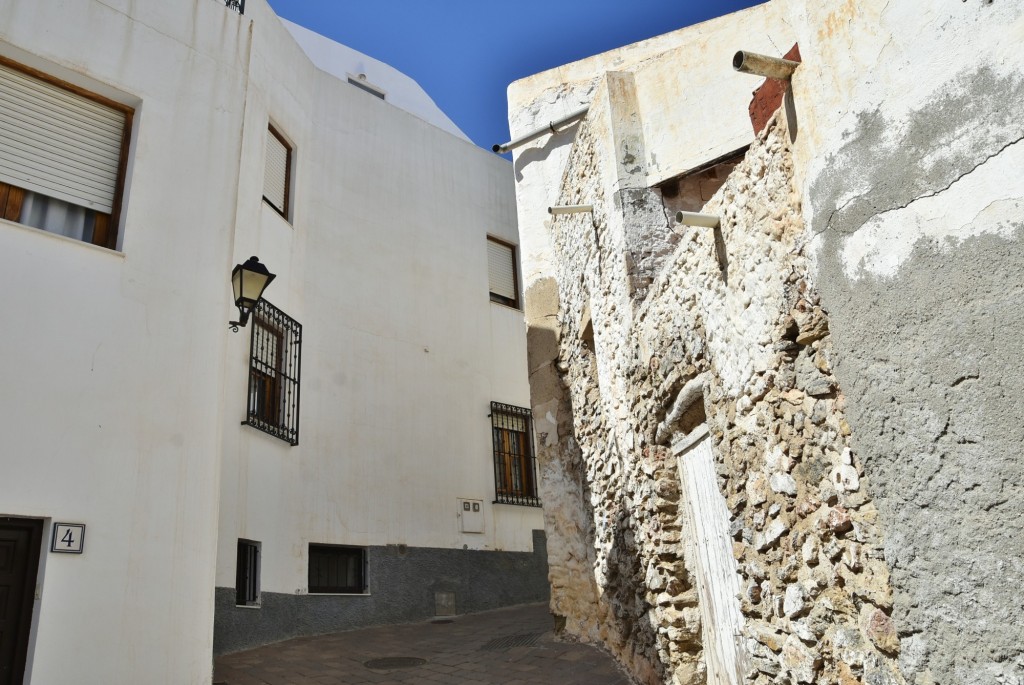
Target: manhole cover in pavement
[[390, 662], [509, 641]]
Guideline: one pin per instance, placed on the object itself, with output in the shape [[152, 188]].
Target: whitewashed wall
[[111, 394], [125, 389], [384, 264]]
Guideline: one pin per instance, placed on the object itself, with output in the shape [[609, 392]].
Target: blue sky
[[464, 53]]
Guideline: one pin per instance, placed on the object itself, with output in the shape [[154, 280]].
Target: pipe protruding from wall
[[763, 65], [570, 209], [552, 127], [696, 219]]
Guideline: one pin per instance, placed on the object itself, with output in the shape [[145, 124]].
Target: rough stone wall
[[816, 594], [903, 286]]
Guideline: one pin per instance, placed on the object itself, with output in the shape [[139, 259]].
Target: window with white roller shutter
[[501, 271], [61, 156], [277, 172]]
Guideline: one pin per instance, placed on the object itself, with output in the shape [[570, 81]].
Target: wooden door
[[710, 558], [19, 562]]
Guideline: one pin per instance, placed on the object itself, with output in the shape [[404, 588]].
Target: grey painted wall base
[[402, 587]]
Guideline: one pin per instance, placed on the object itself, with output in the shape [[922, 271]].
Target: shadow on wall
[[595, 552], [535, 154]]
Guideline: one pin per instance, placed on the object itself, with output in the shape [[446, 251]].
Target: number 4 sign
[[68, 538]]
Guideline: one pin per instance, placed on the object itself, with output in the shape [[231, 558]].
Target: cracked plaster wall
[[917, 207], [908, 171]]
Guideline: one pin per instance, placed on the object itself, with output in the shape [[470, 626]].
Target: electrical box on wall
[[471, 515]]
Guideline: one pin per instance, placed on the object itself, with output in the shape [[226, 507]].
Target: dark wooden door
[[19, 563]]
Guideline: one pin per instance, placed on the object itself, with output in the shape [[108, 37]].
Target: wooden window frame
[[341, 552], [289, 149], [106, 229], [266, 383], [501, 299]]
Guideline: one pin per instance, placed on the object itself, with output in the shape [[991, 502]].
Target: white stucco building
[[335, 463]]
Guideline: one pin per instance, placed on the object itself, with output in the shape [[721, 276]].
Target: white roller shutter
[[58, 143], [275, 172], [501, 270]]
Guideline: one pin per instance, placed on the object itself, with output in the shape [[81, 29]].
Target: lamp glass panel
[[252, 286], [236, 283]]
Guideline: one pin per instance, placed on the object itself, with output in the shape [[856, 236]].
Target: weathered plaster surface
[[936, 373], [918, 216], [871, 366]]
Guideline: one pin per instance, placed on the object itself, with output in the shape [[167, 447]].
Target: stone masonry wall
[[736, 305]]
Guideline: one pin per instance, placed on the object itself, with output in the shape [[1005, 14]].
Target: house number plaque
[[68, 538]]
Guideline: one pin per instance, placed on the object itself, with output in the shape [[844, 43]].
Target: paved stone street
[[512, 646]]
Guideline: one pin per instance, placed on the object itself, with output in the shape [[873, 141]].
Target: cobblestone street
[[512, 646]]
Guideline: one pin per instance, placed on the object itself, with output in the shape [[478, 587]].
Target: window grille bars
[[247, 574], [235, 5], [335, 569], [515, 466], [274, 366]]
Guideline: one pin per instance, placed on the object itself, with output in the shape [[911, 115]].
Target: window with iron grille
[[336, 569], [274, 373], [515, 469], [247, 574]]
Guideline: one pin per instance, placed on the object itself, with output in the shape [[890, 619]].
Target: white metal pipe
[[552, 127], [570, 209], [763, 65], [695, 219]]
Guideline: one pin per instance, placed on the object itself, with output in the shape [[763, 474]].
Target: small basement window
[[247, 574], [337, 569]]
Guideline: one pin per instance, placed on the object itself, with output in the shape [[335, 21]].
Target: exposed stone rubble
[[735, 307]]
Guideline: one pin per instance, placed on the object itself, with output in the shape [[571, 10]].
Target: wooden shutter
[[275, 172], [58, 143], [501, 266]]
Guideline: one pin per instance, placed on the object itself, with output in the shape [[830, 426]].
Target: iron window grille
[[247, 574], [274, 366], [236, 5], [336, 569], [515, 467]]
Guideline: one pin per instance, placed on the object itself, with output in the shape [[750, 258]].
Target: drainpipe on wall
[[533, 135], [763, 65], [696, 219], [570, 209]]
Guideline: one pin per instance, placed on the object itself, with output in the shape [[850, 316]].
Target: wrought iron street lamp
[[248, 281]]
